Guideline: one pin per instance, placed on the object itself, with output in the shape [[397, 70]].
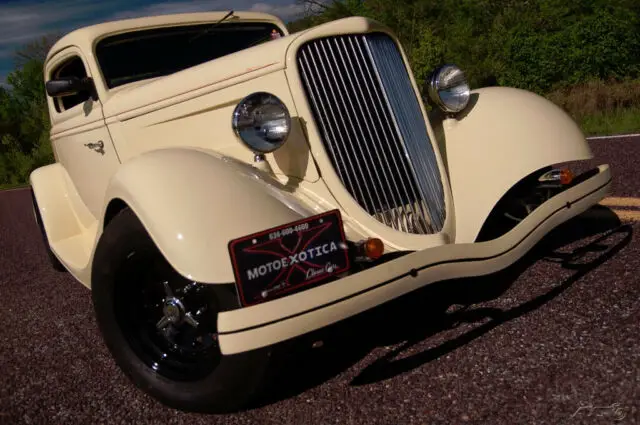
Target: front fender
[[193, 202], [504, 135]]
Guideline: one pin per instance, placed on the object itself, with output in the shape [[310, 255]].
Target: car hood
[[148, 95]]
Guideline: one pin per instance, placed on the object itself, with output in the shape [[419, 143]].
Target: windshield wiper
[[205, 31]]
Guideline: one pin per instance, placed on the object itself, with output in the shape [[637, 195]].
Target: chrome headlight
[[449, 89], [262, 122]]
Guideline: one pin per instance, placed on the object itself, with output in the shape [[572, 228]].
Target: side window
[[73, 67]]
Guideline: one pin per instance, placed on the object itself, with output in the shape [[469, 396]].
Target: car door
[[79, 136]]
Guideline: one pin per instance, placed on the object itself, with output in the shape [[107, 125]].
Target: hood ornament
[[98, 147]]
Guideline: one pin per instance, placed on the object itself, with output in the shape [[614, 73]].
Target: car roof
[[85, 37]]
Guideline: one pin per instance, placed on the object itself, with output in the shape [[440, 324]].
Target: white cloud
[[284, 11], [167, 8], [22, 22]]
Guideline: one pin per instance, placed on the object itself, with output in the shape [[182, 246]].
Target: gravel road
[[553, 340]]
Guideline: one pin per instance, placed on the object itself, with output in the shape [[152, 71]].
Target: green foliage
[[16, 163], [538, 45], [619, 121], [429, 49], [24, 119], [602, 107], [559, 44]]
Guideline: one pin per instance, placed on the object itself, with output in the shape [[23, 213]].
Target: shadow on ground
[[422, 314]]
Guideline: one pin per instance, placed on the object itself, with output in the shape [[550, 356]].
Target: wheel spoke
[[167, 289], [162, 323], [188, 318]]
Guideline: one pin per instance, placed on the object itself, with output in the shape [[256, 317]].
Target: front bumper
[[275, 321]]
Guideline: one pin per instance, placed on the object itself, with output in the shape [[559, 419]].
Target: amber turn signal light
[[566, 176], [373, 248], [563, 176]]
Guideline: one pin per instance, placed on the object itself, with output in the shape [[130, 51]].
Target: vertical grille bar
[[372, 127], [356, 110], [355, 129], [393, 144], [380, 137], [330, 134], [410, 122]]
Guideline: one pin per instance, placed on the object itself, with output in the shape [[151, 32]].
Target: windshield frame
[[196, 27]]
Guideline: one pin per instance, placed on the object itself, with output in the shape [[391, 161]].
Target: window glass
[[73, 67], [138, 55]]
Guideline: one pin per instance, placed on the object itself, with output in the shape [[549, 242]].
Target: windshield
[[138, 55]]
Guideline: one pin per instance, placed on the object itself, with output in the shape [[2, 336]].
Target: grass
[[602, 107], [621, 121], [13, 186]]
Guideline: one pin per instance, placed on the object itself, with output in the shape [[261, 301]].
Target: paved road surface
[[553, 340]]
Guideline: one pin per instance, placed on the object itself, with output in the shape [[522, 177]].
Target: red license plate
[[295, 256]]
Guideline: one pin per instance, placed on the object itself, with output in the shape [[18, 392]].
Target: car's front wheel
[[161, 327]]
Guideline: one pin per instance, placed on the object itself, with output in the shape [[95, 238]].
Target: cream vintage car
[[222, 185]]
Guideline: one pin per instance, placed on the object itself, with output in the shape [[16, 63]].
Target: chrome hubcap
[[174, 312]]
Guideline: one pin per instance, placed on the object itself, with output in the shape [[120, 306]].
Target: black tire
[[198, 379], [53, 260]]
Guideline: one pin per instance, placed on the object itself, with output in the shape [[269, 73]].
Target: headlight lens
[[449, 89], [262, 122]]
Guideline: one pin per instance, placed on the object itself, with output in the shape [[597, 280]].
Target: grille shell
[[373, 130]]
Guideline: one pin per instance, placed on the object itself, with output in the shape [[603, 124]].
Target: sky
[[22, 21]]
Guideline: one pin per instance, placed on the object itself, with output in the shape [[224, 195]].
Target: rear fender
[[69, 226], [63, 213], [193, 202], [504, 135]]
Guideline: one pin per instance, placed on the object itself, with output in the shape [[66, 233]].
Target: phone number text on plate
[[288, 231]]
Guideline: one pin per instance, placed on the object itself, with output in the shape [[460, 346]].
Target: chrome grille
[[373, 130]]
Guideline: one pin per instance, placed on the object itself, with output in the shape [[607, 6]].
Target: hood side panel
[[205, 122], [198, 80]]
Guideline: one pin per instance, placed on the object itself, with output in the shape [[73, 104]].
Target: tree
[[35, 50], [538, 45], [24, 119]]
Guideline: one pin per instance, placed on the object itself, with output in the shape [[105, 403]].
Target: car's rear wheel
[[161, 328], [53, 260]]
